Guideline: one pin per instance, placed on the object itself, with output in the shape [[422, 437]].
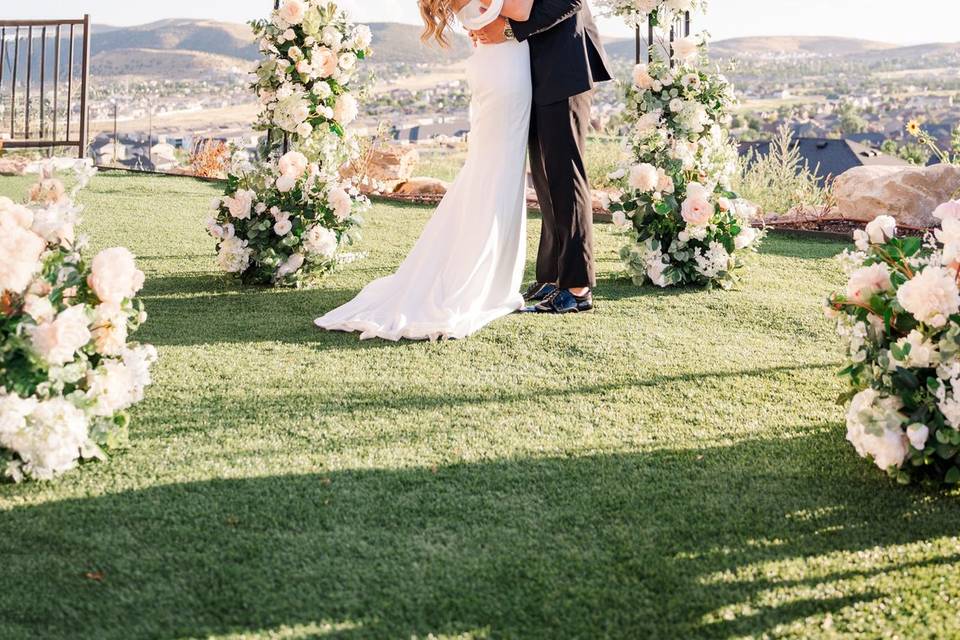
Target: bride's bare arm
[[518, 10]]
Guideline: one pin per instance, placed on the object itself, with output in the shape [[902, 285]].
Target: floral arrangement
[[67, 371], [900, 319], [685, 224], [310, 54], [659, 12], [280, 222]]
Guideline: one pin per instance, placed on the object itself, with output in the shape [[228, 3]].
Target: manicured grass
[[672, 466]]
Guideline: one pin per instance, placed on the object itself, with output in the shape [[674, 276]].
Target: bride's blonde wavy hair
[[437, 16]]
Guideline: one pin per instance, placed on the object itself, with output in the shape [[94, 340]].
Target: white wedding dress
[[465, 270]]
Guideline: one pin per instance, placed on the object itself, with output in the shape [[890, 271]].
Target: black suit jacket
[[566, 51]]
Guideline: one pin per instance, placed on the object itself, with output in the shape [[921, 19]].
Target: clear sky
[[886, 20]]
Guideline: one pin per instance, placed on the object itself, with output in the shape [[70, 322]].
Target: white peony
[[644, 177], [291, 112], [114, 276], [867, 281], [49, 439], [931, 297], [58, 341], [686, 50], [234, 255]]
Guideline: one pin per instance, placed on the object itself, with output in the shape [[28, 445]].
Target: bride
[[466, 268]]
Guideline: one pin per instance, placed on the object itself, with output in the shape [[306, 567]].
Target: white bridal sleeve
[[473, 16]]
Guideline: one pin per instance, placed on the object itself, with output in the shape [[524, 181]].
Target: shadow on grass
[[802, 248], [203, 308], [620, 545]]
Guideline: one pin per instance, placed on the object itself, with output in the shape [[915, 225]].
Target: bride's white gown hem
[[466, 268]]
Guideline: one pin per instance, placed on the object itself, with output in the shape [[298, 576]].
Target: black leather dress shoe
[[564, 302], [539, 291]]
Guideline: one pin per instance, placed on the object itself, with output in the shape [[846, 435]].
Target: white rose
[[331, 37], [347, 61], [286, 183], [642, 78], [240, 204], [931, 297], [291, 265], [39, 308], [947, 211], [340, 203], [20, 252], [676, 105], [114, 276], [292, 11], [918, 435], [949, 236], [293, 163], [346, 109], [881, 229], [320, 241], [282, 227], [109, 329]]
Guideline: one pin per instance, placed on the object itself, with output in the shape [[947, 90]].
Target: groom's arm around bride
[[567, 60]]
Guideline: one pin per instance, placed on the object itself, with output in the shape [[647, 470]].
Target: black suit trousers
[[558, 138]]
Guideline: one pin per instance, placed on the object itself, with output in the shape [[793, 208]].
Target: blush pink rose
[[324, 62], [292, 11], [293, 164], [697, 208], [57, 342]]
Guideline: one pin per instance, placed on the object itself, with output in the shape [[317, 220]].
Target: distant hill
[[395, 42], [179, 48], [206, 36], [771, 45]]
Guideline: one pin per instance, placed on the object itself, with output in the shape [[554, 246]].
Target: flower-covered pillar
[[684, 225], [281, 220]]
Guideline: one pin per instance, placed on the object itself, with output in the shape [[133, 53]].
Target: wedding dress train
[[466, 268]]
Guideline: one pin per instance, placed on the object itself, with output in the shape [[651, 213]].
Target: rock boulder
[[387, 168], [909, 194]]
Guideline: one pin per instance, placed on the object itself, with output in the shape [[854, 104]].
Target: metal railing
[[682, 25], [46, 120]]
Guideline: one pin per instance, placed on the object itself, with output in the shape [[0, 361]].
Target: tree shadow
[[613, 545]]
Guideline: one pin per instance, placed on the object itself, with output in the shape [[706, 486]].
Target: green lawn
[[672, 466]]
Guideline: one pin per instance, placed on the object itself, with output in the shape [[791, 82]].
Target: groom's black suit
[[567, 58]]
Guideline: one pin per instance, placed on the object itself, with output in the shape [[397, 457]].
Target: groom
[[567, 58]]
